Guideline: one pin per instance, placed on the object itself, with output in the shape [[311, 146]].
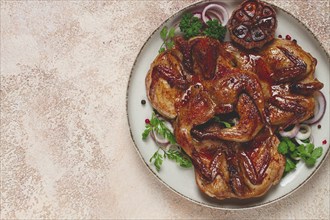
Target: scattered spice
[[294, 41], [288, 37], [147, 121], [319, 126], [324, 142], [279, 36], [143, 102]]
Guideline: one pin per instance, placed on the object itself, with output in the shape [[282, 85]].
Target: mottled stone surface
[[66, 151]]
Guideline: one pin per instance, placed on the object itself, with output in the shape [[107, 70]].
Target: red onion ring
[[303, 136], [319, 110], [161, 141], [198, 14], [292, 133], [311, 140], [213, 14], [221, 12]]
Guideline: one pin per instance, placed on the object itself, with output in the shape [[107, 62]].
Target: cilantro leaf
[[289, 165], [294, 152], [215, 30], [317, 152], [310, 161], [190, 26], [282, 148], [309, 148]]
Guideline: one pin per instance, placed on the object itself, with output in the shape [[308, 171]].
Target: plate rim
[[245, 207]]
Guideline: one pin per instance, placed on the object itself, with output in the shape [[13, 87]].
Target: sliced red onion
[[213, 14], [175, 147], [311, 140], [218, 10], [161, 141], [198, 14], [304, 132], [319, 108], [292, 133]]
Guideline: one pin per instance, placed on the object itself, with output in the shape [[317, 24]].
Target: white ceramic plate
[[182, 181]]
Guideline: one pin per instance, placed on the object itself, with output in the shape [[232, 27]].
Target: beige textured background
[[66, 151]]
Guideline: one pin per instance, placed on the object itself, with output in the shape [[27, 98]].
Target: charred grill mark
[[201, 167], [235, 182], [209, 173], [205, 53], [306, 88], [171, 76], [184, 47], [289, 105], [290, 73]]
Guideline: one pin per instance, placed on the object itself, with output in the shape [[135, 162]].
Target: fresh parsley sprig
[[178, 155], [215, 30], [190, 26], [167, 37], [294, 153]]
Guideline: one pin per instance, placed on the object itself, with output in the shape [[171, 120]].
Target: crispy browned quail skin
[[165, 82], [262, 90], [286, 73], [226, 169], [240, 170]]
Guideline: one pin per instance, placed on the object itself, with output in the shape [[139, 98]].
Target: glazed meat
[[226, 169], [246, 128], [240, 170], [286, 73], [166, 82], [202, 80]]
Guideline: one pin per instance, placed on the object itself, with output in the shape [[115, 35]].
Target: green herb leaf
[[291, 145], [306, 141], [294, 153], [309, 148], [289, 165], [310, 161], [157, 160], [282, 148], [190, 26], [158, 126], [161, 50], [226, 124], [169, 44], [317, 152], [179, 157], [146, 132], [215, 30], [171, 33], [167, 37], [163, 33]]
